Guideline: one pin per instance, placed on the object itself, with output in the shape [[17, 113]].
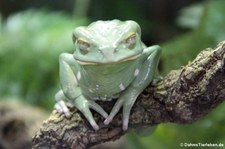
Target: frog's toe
[[108, 120], [94, 125], [126, 114], [58, 108], [62, 108], [87, 113], [69, 104], [114, 111], [98, 108], [110, 117], [125, 125], [125, 122]]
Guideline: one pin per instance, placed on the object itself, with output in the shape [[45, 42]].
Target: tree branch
[[183, 96]]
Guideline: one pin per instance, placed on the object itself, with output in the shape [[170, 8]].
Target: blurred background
[[33, 34]]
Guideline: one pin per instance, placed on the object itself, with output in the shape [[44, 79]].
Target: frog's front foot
[[126, 101], [62, 107], [84, 105]]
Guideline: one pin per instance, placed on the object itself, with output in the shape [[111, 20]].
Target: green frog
[[110, 62]]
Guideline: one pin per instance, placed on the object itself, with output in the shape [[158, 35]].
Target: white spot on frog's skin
[[78, 76], [121, 86], [97, 87], [90, 90], [136, 72]]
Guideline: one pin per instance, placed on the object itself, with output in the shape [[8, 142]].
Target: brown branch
[[183, 96]]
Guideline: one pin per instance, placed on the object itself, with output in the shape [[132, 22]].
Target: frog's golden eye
[[131, 41], [83, 46]]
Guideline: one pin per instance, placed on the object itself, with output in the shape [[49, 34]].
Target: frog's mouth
[[134, 57]]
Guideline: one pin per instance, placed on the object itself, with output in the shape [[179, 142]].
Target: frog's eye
[[131, 41], [83, 46]]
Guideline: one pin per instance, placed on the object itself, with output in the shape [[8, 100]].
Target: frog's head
[[107, 42]]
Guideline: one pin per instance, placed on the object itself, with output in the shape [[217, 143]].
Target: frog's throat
[[107, 63]]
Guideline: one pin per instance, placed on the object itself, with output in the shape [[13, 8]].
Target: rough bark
[[183, 96]]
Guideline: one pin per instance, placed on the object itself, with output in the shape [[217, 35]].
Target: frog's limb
[[60, 105], [80, 103], [68, 68], [70, 90], [145, 76], [84, 106]]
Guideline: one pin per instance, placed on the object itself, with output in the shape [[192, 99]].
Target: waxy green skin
[[109, 62]]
